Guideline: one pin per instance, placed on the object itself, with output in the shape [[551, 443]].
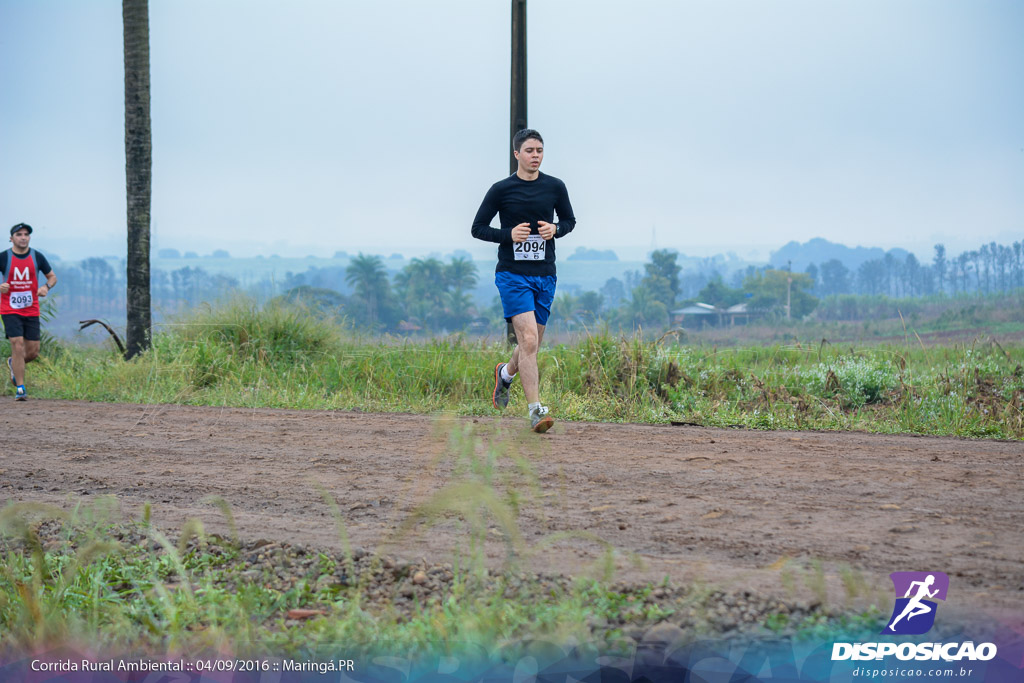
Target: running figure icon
[[915, 607]]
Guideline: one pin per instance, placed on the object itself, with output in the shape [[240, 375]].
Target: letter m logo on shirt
[[21, 273]]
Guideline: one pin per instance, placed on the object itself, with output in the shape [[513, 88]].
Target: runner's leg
[[910, 610], [525, 355], [31, 350], [18, 359], [918, 611], [513, 363]]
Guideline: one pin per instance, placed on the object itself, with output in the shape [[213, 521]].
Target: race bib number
[[21, 300], [533, 249]]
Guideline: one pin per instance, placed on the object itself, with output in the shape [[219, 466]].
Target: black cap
[[19, 226]]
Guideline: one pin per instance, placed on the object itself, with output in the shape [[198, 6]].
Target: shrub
[[272, 333], [856, 381]]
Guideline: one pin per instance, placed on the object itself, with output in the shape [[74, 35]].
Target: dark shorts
[[22, 326], [522, 293]]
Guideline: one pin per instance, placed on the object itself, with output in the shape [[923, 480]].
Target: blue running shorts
[[522, 293]]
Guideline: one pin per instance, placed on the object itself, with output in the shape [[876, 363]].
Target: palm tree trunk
[[138, 150]]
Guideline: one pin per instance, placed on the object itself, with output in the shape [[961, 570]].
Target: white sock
[[532, 407], [505, 377]]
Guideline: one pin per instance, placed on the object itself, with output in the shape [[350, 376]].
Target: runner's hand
[[4, 287], [42, 293], [520, 232], [546, 230]]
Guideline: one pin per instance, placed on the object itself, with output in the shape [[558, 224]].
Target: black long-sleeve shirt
[[524, 201]]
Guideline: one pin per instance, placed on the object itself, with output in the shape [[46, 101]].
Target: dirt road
[[736, 509]]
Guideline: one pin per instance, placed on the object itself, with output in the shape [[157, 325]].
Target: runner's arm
[[482, 229], [566, 219], [51, 280], [44, 267]]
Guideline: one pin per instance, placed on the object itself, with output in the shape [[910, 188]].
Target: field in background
[[245, 355], [180, 284]]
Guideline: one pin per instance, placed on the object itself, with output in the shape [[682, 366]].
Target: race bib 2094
[[533, 249]]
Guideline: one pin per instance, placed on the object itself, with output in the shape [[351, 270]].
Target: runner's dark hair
[[522, 136]]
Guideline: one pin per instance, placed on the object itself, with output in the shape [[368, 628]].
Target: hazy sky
[[312, 126]]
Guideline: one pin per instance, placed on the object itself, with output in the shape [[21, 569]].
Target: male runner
[[526, 203], [20, 292]]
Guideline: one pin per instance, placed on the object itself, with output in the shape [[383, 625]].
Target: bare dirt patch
[[734, 509]]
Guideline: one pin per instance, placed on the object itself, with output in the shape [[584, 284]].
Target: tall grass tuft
[[275, 333]]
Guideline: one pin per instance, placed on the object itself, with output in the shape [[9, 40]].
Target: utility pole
[[518, 99]]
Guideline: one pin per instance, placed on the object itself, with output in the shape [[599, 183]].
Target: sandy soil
[[731, 508]]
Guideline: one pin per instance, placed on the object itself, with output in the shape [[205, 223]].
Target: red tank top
[[23, 277]]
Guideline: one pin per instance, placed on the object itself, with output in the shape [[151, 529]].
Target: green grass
[[68, 580], [241, 355], [81, 576]]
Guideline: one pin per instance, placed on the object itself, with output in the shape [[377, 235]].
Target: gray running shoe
[[539, 420], [501, 387], [11, 368], [21, 394]]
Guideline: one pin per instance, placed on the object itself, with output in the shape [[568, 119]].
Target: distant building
[[696, 315], [738, 314], [703, 315]]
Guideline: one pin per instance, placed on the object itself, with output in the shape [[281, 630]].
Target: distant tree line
[[651, 299], [830, 291], [431, 296], [427, 295], [94, 288], [989, 269]]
